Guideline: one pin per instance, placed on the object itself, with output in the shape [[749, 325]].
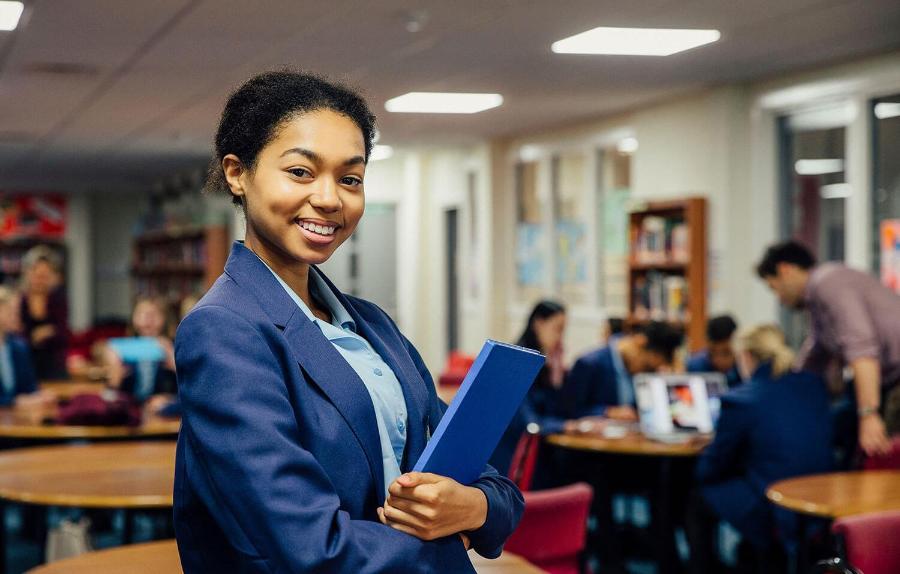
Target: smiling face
[[304, 197]]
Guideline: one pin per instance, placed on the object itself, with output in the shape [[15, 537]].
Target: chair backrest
[[889, 461], [870, 541], [524, 458], [553, 529]]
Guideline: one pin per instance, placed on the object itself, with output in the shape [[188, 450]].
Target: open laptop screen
[[676, 404]]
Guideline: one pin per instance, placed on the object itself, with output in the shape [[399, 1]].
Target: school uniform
[[700, 363], [598, 380], [288, 444]]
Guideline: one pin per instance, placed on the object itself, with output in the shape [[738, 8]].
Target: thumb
[[411, 479]]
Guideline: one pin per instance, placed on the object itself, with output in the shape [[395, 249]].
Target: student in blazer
[[304, 409]]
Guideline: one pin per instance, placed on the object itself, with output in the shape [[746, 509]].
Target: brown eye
[[299, 172], [351, 181]]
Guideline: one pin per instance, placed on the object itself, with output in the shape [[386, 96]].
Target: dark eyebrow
[[317, 159]]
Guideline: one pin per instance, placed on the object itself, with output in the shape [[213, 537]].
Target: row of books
[[11, 257], [660, 297], [661, 240], [188, 252]]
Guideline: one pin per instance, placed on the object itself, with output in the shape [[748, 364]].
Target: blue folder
[[486, 402]]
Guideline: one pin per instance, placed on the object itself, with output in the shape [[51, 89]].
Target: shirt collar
[[318, 289], [618, 363]]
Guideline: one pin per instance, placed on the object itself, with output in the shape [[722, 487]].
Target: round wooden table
[[17, 425], [162, 558], [839, 494], [634, 444], [118, 475]]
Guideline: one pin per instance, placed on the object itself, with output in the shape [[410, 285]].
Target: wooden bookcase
[[667, 269], [13, 250], [178, 263]]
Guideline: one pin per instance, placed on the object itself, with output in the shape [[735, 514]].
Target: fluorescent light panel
[[443, 103], [634, 41], [835, 191], [381, 152], [10, 12], [819, 166], [627, 145], [886, 110]]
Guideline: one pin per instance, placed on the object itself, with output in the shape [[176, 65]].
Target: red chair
[[553, 530], [458, 365], [524, 459], [870, 541], [889, 461]]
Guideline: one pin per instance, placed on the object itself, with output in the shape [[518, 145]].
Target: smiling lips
[[319, 232]]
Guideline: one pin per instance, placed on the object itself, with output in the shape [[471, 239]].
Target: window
[[886, 185]]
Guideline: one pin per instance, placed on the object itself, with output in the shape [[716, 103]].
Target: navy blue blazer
[[769, 430], [591, 385], [278, 465], [26, 380], [699, 363]]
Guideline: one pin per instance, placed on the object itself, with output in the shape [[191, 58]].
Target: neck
[[295, 274]]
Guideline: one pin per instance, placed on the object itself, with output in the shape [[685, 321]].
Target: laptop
[[675, 408]]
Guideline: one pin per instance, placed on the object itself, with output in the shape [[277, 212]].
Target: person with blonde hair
[[775, 426], [16, 371], [45, 312]]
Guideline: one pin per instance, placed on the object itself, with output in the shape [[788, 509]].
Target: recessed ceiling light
[[634, 41], [835, 191], [819, 166], [886, 110], [10, 12], [380, 152], [443, 103]]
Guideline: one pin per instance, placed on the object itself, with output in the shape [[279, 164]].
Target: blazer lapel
[[324, 366], [415, 394]]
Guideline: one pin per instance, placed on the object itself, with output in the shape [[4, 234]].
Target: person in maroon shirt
[[855, 320], [45, 312]]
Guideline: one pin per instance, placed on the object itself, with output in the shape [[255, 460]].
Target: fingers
[[418, 509]]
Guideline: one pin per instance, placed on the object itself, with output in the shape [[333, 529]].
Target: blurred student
[[45, 312], [774, 426], [854, 320], [600, 382], [543, 333], [16, 371], [719, 355], [614, 329], [144, 366]]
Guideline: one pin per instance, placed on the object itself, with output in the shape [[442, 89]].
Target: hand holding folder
[[486, 402]]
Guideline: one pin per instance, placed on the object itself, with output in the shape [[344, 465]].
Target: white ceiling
[[106, 93]]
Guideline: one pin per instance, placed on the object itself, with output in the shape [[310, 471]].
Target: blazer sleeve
[[721, 459], [252, 473], [505, 502]]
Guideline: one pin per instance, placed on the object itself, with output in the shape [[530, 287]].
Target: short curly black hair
[[256, 111], [791, 251]]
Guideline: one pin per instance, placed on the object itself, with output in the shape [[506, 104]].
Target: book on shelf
[[661, 240], [660, 297]]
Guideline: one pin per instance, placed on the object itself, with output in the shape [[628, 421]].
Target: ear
[[235, 173]]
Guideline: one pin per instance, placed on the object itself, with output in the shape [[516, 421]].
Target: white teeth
[[320, 229]]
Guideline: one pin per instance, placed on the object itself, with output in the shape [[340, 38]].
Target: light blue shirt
[[7, 372], [376, 375], [623, 378]]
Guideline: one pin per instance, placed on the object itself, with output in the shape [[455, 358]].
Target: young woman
[[773, 427], [304, 409], [45, 312]]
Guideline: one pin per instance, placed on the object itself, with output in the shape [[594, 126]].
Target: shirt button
[[377, 372], [401, 426]]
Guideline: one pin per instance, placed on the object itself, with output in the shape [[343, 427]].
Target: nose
[[326, 196]]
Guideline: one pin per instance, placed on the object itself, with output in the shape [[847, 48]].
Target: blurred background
[[783, 123]]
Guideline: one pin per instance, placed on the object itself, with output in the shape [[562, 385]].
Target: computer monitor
[[679, 404]]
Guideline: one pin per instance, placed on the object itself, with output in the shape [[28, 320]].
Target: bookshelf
[[667, 266], [13, 250], [177, 263]]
